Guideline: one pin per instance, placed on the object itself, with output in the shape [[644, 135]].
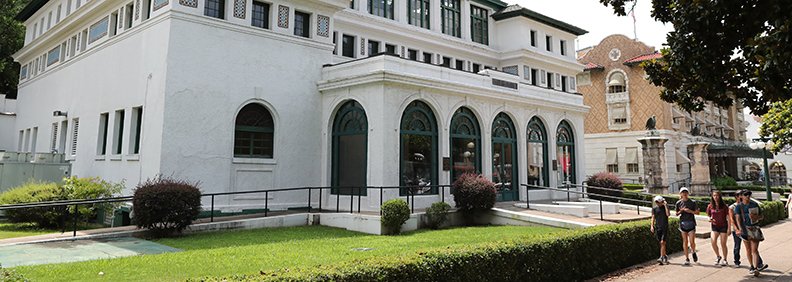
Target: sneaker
[[717, 261], [724, 263], [752, 270], [762, 267], [665, 259], [737, 264], [695, 257], [687, 261], [660, 260]]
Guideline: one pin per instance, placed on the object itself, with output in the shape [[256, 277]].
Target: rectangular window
[[550, 76], [460, 65], [83, 40], [159, 4], [23, 72], [128, 15], [533, 38], [118, 132], [73, 46], [479, 25], [302, 24], [27, 140], [449, 17], [632, 168], [335, 43], [113, 23], [573, 84], [137, 125], [64, 131], [412, 54], [75, 131], [446, 62], [49, 20], [613, 168], [373, 47], [58, 14], [77, 4], [260, 14], [53, 56], [549, 43], [563, 47], [21, 141], [418, 13], [631, 158], [101, 142], [41, 26], [619, 114], [98, 30], [612, 160], [146, 8], [511, 70], [543, 77], [564, 83], [68, 7], [54, 140], [527, 73], [390, 49], [427, 57], [215, 9], [35, 28], [476, 68], [33, 140], [348, 46], [382, 8]]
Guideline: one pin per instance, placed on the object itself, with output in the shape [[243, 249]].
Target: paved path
[[81, 250], [776, 250]]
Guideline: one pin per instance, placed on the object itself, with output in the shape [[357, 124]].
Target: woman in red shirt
[[718, 213]]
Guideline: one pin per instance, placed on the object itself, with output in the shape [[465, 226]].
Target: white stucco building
[[249, 95]]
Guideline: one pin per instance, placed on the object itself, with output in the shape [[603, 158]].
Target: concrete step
[[578, 211], [593, 207]]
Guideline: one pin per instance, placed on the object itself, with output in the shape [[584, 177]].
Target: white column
[[400, 11], [465, 19], [434, 16]]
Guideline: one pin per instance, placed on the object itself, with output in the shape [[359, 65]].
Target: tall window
[[118, 132], [616, 83], [101, 148], [260, 16], [373, 47], [418, 164], [549, 43], [479, 25], [612, 160], [563, 47], [348, 46], [382, 8], [418, 13], [631, 158], [137, 126], [350, 142], [565, 145], [215, 9], [302, 24], [533, 38], [254, 132], [504, 158], [465, 143], [449, 11], [538, 173], [75, 131]]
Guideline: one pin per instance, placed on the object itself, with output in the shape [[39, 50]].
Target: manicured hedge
[[572, 256]]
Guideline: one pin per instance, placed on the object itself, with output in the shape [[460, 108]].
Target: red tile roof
[[592, 66], [644, 57]]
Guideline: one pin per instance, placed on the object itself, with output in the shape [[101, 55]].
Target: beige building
[[622, 100]]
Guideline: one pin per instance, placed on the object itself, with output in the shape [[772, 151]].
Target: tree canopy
[[12, 36], [720, 51]]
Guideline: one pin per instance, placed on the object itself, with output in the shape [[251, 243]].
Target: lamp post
[[765, 145]]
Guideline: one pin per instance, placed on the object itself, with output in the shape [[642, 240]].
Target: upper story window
[[215, 9], [533, 38], [563, 48], [478, 25], [373, 47], [390, 49], [616, 83], [260, 15], [418, 13], [549, 43], [348, 46], [450, 17], [98, 30], [302, 24], [382, 8]]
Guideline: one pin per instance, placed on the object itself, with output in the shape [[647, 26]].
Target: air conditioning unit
[[9, 156]]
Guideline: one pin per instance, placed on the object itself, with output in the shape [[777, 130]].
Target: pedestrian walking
[[687, 209], [736, 225], [718, 214], [659, 226], [750, 214]]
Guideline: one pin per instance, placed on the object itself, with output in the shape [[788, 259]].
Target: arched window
[[465, 143], [350, 145], [418, 152], [565, 146], [253, 132], [504, 158], [616, 83], [538, 174]]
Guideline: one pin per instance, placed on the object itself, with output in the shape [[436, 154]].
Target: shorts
[[720, 229], [661, 234]]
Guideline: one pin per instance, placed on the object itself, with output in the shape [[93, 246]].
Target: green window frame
[[382, 8], [418, 129], [479, 25], [349, 125], [537, 135], [254, 132], [464, 131], [504, 141], [418, 13], [450, 17], [565, 145]]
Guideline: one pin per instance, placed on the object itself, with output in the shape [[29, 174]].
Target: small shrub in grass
[[10, 275], [605, 180], [725, 181], [394, 213], [165, 205], [474, 192], [437, 214]]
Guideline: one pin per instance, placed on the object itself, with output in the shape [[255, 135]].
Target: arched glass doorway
[[418, 149], [538, 174], [465, 143], [350, 143], [504, 158], [565, 153]]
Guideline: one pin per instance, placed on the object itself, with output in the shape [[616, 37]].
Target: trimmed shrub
[[437, 214], [604, 180], [165, 205], [725, 181], [395, 212], [632, 186], [572, 256], [10, 275], [474, 192]]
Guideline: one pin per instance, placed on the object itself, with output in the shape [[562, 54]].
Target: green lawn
[[13, 230], [251, 251]]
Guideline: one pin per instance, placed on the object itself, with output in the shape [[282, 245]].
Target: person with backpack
[[718, 214], [687, 209], [659, 226], [749, 214], [733, 222]]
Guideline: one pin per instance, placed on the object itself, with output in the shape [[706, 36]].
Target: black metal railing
[[598, 197]]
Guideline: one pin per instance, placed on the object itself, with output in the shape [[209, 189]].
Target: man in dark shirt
[[687, 210], [659, 227]]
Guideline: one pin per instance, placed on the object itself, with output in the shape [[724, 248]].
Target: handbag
[[754, 233], [687, 225]]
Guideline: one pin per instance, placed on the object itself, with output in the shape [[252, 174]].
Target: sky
[[600, 21]]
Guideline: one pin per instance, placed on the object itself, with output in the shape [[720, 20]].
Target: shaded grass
[[13, 230], [251, 251]]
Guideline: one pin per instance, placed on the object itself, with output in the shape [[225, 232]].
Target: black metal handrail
[[568, 191]]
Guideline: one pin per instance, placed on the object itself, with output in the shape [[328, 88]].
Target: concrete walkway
[[776, 251], [81, 250]]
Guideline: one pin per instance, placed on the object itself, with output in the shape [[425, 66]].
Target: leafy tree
[[12, 36], [724, 50]]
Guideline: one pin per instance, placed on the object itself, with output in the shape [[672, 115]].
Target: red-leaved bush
[[474, 192], [605, 180]]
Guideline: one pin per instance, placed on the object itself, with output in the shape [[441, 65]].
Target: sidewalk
[[776, 251]]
